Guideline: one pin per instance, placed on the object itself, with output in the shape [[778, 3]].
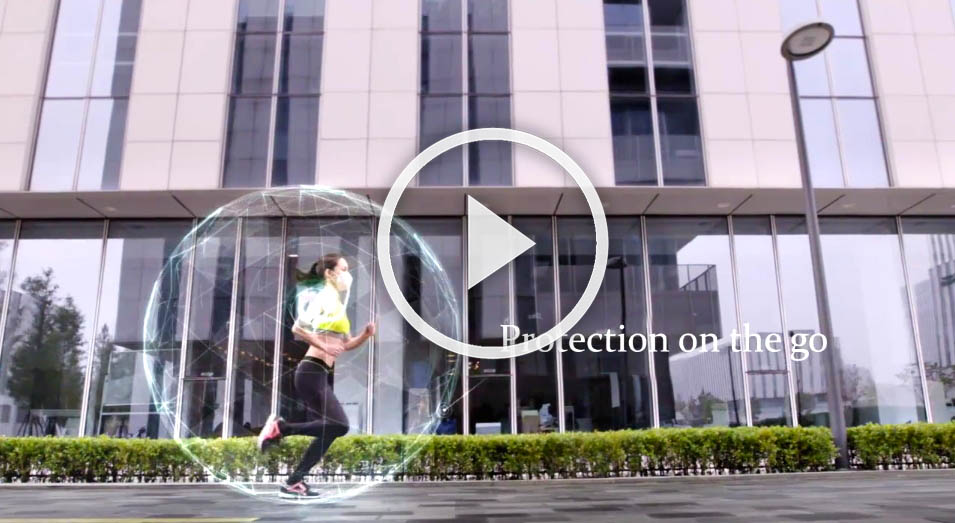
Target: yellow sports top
[[321, 309]]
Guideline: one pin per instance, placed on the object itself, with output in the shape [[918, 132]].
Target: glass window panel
[[488, 64], [49, 325], [759, 310], [247, 142], [259, 273], [259, 15], [876, 345], [202, 408], [72, 55], [489, 162], [843, 15], [441, 64], [633, 149], [691, 280], [822, 146], [254, 64], [605, 390], [412, 373], [116, 48], [441, 16], [121, 402], [304, 16], [57, 145], [861, 143], [487, 16], [535, 314], [301, 64], [623, 16], [8, 422], [849, 67], [680, 144], [811, 76], [930, 259], [441, 116], [627, 79], [673, 66], [309, 240], [627, 49], [296, 136], [796, 12], [489, 389], [103, 144]]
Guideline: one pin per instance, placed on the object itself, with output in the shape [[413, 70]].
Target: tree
[[46, 369]]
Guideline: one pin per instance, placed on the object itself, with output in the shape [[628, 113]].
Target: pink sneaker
[[271, 434]]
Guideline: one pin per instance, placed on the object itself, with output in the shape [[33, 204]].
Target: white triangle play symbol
[[492, 242]]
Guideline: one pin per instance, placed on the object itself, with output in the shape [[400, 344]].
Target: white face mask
[[343, 281]]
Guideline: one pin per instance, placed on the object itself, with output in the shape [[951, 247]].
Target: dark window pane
[[259, 274], [258, 16], [116, 49], [680, 145], [668, 15], [627, 79], [441, 16], [488, 64], [691, 278], [72, 55], [673, 66], [487, 16], [633, 151], [136, 253], [247, 142], [254, 64], [490, 380], [202, 408], [57, 145], [49, 326], [413, 379], [441, 116], [296, 141], [489, 162], [103, 144], [304, 16], [301, 64], [534, 314], [441, 64], [607, 390]]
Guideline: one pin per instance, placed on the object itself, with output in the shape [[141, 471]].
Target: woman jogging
[[322, 322]]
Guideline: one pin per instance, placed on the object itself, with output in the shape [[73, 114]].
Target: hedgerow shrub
[[918, 445]]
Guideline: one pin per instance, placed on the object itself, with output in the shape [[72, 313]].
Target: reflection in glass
[[489, 390], [254, 64], [309, 240], [680, 143], [208, 333], [259, 261], [812, 78], [489, 162], [536, 373], [441, 116], [304, 16], [412, 373], [441, 64], [604, 390], [296, 139], [488, 64], [72, 55], [822, 145], [850, 68], [633, 149], [8, 414], [670, 38], [121, 403], [761, 319], [441, 16], [258, 15], [57, 145], [487, 16], [103, 144], [875, 341], [843, 15], [301, 68], [929, 250], [861, 143], [247, 142], [49, 326], [116, 48], [691, 279]]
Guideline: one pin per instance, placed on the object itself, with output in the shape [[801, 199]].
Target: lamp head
[[807, 40]]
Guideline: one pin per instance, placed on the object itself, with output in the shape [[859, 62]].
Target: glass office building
[[126, 122]]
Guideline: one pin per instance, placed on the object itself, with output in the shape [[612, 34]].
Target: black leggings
[[327, 419]]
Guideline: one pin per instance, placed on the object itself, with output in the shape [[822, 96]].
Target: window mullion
[[273, 97], [652, 90]]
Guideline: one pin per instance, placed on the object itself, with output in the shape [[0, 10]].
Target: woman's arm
[[354, 342]]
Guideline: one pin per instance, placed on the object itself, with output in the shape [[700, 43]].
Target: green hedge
[[919, 445], [570, 455]]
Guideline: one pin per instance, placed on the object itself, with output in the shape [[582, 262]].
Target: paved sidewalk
[[835, 496]]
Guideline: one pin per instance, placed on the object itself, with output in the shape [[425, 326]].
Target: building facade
[[125, 122]]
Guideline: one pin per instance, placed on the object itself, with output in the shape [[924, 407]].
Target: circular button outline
[[383, 242]]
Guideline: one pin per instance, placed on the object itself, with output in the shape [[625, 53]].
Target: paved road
[[850, 496]]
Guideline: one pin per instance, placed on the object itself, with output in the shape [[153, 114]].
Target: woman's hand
[[369, 331]]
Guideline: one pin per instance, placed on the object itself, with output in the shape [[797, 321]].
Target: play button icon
[[492, 242]]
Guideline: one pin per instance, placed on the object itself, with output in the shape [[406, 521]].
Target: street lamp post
[[805, 42]]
